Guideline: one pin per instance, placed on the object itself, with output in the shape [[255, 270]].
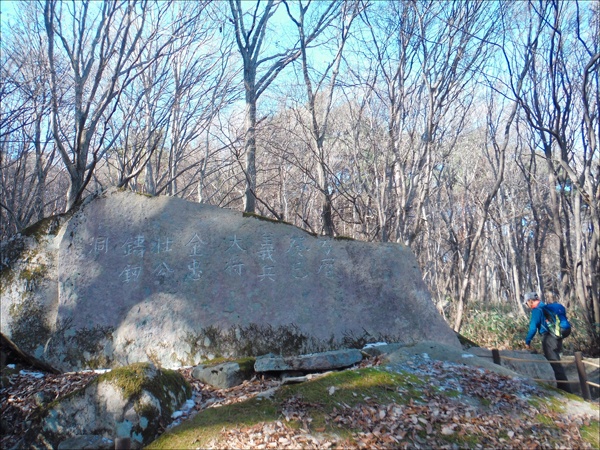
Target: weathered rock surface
[[336, 359], [129, 402], [540, 370], [442, 352], [225, 375], [129, 278]]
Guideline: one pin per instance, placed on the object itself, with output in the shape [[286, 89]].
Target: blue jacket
[[537, 323]]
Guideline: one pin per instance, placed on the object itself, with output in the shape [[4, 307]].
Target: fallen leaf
[[448, 430]]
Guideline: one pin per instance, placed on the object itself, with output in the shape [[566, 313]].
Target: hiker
[[552, 324]]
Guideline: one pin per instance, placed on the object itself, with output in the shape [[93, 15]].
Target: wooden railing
[[579, 362]]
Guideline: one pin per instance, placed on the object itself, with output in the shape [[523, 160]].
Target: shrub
[[498, 326]]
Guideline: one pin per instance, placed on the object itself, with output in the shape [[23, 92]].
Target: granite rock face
[[128, 278]]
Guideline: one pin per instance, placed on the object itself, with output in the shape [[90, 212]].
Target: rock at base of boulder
[[223, 376], [336, 359]]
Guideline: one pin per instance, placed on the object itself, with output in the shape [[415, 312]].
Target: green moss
[[266, 219], [552, 404], [544, 420], [148, 411], [555, 405], [84, 347], [151, 414], [33, 274], [28, 324], [463, 440], [591, 433], [246, 366], [350, 388], [208, 425], [333, 395], [132, 380], [98, 363], [452, 393], [44, 227]]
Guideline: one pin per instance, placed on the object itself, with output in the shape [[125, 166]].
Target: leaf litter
[[458, 406]]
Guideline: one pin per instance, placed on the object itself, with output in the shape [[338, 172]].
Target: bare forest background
[[467, 131]]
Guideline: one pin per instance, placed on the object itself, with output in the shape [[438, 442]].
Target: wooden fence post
[[496, 356], [585, 389]]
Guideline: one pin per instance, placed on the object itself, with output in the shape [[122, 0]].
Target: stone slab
[[336, 359], [222, 376]]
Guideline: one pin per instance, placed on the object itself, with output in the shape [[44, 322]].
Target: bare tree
[[323, 88], [393, 46], [251, 28], [27, 156], [104, 44], [560, 102]]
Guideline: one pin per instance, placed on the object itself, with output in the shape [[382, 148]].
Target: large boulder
[[130, 402], [127, 278]]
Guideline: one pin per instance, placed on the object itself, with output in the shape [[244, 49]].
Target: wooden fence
[[579, 362]]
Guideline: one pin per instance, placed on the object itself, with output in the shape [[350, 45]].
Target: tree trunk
[[250, 146]]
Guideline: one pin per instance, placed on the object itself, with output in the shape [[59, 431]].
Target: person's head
[[532, 300]]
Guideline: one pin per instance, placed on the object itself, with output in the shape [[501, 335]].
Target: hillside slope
[[416, 402]]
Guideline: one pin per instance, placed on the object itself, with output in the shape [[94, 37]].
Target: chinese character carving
[[195, 243], [266, 248], [99, 245], [297, 246], [162, 246], [130, 273], [298, 271], [326, 267], [234, 267], [195, 271], [162, 270], [267, 273], [135, 246]]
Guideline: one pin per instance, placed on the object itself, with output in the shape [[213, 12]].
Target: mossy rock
[[131, 401]]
